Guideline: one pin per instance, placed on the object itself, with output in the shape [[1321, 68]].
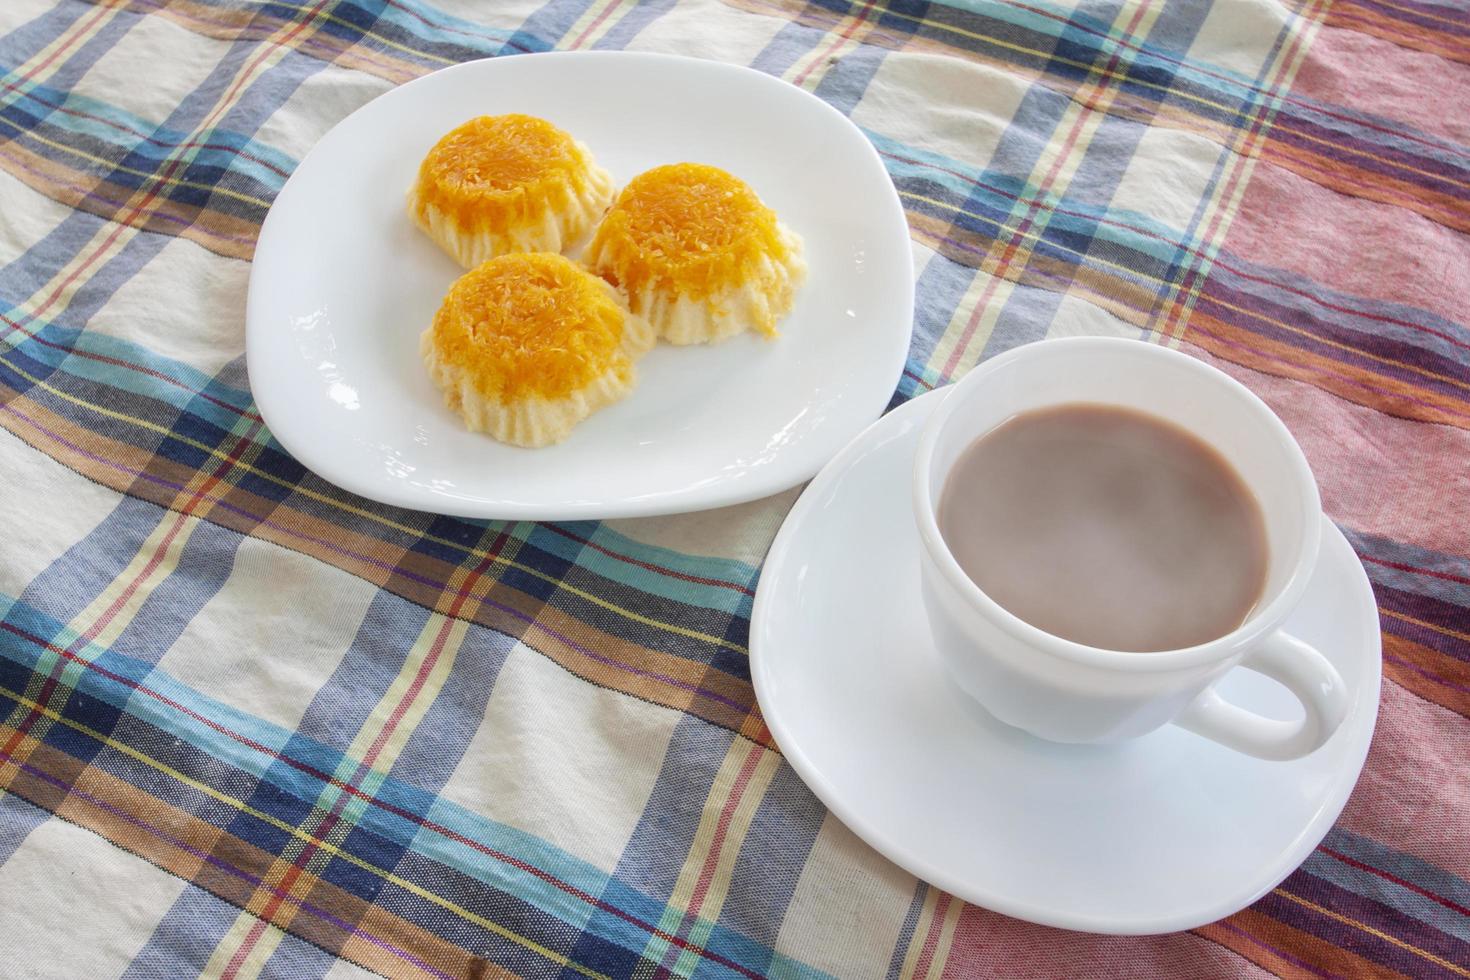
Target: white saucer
[[1164, 833], [343, 284]]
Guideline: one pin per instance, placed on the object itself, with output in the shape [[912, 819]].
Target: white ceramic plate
[[1166, 832], [343, 285]]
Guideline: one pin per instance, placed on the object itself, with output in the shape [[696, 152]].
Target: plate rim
[[1304, 843], [675, 500]]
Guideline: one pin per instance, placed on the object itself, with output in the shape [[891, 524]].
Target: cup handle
[[1304, 672]]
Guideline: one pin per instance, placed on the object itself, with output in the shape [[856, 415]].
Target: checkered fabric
[[251, 725]]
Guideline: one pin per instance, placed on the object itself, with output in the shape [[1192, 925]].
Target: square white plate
[[343, 284]]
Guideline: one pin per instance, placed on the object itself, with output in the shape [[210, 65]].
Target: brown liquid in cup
[[1106, 526]]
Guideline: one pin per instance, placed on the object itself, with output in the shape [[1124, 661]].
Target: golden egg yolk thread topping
[[489, 170], [687, 227], [528, 326]]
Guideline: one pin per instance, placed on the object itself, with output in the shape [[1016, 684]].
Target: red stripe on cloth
[[128, 365], [1447, 576], [397, 811], [1197, 68], [1220, 260], [1390, 876], [746, 710], [1413, 790], [596, 23], [179, 843], [79, 28], [1101, 86], [722, 827], [712, 856], [162, 179], [149, 567], [94, 630], [630, 560], [1328, 239], [931, 936], [365, 765], [1381, 398], [122, 127], [843, 37], [1242, 154], [414, 687], [257, 929]]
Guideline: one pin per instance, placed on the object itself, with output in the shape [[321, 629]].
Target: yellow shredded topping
[[490, 172], [687, 228], [530, 325]]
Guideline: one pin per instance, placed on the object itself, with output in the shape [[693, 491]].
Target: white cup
[[1069, 692]]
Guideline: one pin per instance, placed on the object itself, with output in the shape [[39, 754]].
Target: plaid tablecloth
[[252, 725]]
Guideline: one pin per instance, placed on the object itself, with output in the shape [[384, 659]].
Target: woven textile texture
[[251, 725]]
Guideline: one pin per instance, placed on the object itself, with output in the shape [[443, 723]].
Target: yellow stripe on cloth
[[1245, 149], [105, 616], [382, 737], [441, 637], [947, 928], [594, 22], [154, 562], [245, 466], [974, 320], [704, 881], [296, 832], [150, 177], [114, 234], [1355, 924], [76, 36], [265, 944]]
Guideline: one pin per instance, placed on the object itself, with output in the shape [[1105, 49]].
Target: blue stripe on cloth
[[729, 584], [1029, 314], [59, 247], [81, 573], [551, 21], [1405, 901], [23, 45], [184, 938], [1247, 104], [660, 842], [941, 287], [1383, 320], [18, 818], [1450, 585], [944, 282], [1084, 33], [906, 931], [438, 27], [630, 24], [342, 704], [843, 84], [211, 408], [40, 31], [397, 825], [764, 878], [1370, 852], [45, 258], [92, 355], [438, 743], [146, 144], [297, 959], [789, 43], [203, 566]]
